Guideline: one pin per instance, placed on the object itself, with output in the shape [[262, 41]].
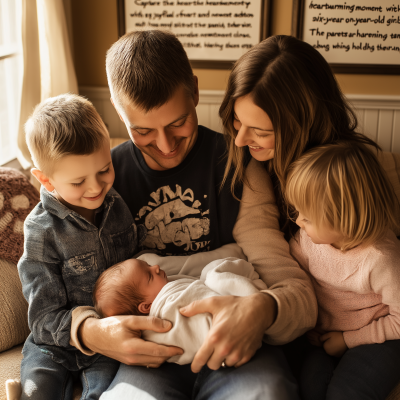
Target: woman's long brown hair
[[294, 85]]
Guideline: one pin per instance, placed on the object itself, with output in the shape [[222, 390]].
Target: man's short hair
[[146, 68], [64, 125]]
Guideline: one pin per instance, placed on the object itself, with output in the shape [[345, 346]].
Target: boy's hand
[[334, 344], [120, 338], [237, 329]]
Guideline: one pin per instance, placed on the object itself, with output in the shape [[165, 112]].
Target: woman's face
[[254, 128]]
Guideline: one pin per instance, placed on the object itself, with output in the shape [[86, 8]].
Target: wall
[[95, 29]]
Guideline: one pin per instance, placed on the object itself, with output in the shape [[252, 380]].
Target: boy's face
[[149, 279], [164, 135], [82, 181]]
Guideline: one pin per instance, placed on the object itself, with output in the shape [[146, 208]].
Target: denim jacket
[[64, 254]]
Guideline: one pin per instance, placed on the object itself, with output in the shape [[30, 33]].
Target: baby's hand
[[334, 344]]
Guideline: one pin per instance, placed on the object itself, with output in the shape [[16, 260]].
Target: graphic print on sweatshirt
[[175, 218]]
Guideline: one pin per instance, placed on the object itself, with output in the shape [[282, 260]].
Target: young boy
[[80, 228]]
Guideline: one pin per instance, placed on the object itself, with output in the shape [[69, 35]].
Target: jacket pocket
[[80, 274], [124, 243]]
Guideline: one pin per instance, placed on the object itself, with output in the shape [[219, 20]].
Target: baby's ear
[[144, 308], [42, 178]]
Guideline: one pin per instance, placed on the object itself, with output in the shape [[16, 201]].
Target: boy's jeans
[[42, 378], [265, 376]]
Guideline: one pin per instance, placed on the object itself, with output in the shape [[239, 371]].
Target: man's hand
[[237, 330], [120, 338], [334, 344]]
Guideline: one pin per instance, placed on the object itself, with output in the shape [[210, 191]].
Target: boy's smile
[[82, 181]]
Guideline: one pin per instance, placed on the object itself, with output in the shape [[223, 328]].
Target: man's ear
[[144, 308], [42, 178], [196, 95], [116, 109]]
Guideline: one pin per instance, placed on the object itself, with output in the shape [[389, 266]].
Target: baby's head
[[128, 288], [342, 195], [70, 148]]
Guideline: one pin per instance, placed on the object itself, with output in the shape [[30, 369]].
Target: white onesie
[[230, 275]]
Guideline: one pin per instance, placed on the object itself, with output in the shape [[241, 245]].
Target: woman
[[282, 100]]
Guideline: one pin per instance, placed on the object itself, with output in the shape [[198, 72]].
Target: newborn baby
[[128, 288], [136, 287]]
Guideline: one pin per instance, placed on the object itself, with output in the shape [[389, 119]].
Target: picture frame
[[357, 39], [223, 16]]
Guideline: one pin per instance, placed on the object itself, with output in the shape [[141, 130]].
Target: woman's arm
[[284, 311], [257, 232]]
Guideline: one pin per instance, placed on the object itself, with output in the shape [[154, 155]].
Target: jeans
[[363, 372], [43, 378], [265, 376]]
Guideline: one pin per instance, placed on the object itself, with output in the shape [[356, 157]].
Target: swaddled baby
[[134, 287]]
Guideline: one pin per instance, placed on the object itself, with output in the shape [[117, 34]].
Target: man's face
[[164, 135]]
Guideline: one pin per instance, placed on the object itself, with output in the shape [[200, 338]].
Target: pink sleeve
[[384, 279]]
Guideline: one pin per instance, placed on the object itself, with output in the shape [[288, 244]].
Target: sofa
[[13, 307]]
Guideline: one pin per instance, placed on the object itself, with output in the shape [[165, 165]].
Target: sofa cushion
[[13, 307], [9, 367]]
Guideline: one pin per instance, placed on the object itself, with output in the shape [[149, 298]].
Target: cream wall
[[95, 28]]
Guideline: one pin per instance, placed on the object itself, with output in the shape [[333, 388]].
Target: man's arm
[[119, 337]]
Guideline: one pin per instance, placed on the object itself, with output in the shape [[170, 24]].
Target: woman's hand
[[237, 330], [120, 338], [334, 344]]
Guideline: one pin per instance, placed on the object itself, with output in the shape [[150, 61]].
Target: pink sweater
[[358, 292]]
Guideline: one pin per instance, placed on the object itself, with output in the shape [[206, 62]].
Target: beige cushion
[[13, 307], [10, 361]]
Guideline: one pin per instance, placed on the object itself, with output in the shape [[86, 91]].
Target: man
[[170, 176]]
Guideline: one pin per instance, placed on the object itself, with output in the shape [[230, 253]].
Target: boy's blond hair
[[343, 185], [64, 125]]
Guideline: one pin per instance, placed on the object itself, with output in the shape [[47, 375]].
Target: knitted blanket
[[17, 199]]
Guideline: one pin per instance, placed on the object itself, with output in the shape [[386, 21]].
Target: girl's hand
[[237, 330], [334, 344], [314, 337]]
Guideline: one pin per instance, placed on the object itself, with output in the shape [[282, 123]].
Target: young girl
[[346, 209]]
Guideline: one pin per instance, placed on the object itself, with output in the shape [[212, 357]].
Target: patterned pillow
[[17, 198]]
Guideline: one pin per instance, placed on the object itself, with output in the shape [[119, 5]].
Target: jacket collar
[[55, 207]]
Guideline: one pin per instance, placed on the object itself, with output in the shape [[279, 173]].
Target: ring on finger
[[223, 365]]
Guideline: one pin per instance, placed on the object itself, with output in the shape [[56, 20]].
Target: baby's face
[[150, 279]]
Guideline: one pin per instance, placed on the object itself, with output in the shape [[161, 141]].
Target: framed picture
[[357, 36], [214, 33]]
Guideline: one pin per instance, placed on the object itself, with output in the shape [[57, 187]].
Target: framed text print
[[354, 36], [214, 33]]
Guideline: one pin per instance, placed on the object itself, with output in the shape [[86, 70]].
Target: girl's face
[[254, 128], [323, 234]]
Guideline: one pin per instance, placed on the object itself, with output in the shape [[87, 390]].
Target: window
[[10, 77]]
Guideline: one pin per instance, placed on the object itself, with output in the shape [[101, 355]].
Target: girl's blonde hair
[[343, 185]]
